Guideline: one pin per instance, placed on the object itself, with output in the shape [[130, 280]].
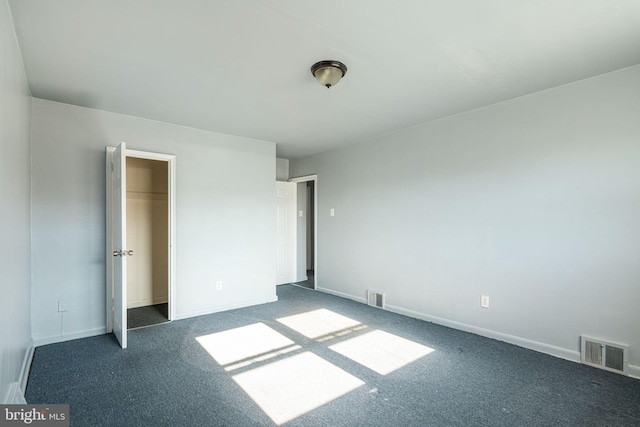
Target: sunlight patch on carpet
[[318, 323], [262, 358], [242, 343], [291, 387], [381, 351]]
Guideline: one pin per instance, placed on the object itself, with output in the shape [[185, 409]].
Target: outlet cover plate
[[484, 301]]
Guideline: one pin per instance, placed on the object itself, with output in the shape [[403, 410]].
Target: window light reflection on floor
[[242, 343], [317, 323], [381, 351], [291, 387], [262, 358], [286, 383]]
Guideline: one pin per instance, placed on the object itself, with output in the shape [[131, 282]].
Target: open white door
[[119, 244], [285, 232], [116, 231]]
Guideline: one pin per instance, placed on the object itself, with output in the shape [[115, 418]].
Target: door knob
[[123, 253]]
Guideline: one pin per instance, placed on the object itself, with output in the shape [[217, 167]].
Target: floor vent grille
[[605, 355], [375, 298]]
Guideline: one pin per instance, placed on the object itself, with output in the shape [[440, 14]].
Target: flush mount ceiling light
[[328, 73]]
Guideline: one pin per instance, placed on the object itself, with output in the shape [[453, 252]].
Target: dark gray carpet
[[147, 316], [165, 378]]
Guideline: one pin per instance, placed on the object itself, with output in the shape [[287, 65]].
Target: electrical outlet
[[332, 212], [218, 285], [484, 301], [63, 305]]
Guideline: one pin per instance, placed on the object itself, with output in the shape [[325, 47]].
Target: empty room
[[272, 212]]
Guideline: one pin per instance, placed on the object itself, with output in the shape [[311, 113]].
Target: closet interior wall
[[147, 232]]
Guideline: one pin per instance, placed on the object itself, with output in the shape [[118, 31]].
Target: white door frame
[[171, 164], [313, 178]]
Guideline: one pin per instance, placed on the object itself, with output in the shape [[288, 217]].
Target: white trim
[[313, 178], [172, 238], [53, 339], [205, 311], [15, 392], [304, 178], [26, 367], [149, 155], [172, 197], [171, 161], [342, 295], [634, 371], [109, 239], [293, 240], [15, 396]]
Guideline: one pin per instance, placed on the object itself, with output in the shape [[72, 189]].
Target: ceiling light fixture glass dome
[[328, 73]]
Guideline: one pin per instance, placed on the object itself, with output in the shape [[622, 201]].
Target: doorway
[[147, 236], [306, 242], [140, 239]]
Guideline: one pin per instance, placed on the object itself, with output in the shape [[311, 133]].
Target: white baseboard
[[26, 367], [242, 304], [634, 371], [16, 390], [563, 353], [15, 395], [40, 341], [342, 295]]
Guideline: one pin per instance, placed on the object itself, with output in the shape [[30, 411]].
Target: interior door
[[285, 245], [119, 244]]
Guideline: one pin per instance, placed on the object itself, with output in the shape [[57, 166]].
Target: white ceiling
[[242, 67]]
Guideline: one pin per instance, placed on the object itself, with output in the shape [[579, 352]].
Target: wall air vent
[[375, 298], [604, 355]]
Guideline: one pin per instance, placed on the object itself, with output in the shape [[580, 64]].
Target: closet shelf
[[146, 195]]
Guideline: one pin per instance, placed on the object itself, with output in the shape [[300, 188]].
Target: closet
[[147, 231]]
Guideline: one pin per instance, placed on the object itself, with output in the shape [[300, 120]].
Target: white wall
[[282, 169], [15, 258], [534, 202], [225, 216]]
